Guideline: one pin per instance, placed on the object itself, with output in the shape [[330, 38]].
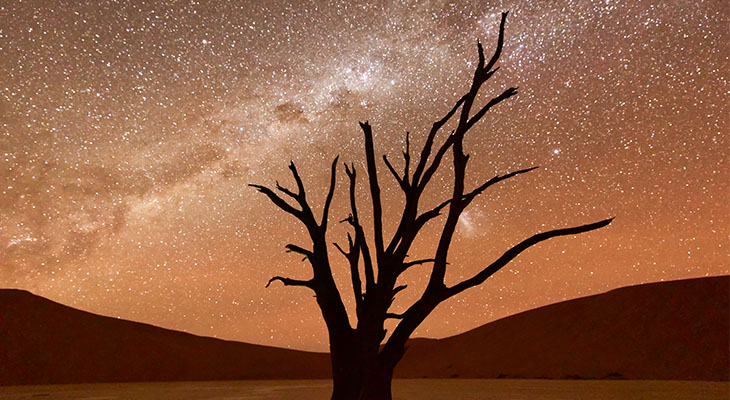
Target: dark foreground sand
[[404, 389]]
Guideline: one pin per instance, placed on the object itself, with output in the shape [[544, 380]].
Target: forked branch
[[278, 201], [352, 254], [467, 198], [361, 243], [426, 151], [402, 181], [301, 196]]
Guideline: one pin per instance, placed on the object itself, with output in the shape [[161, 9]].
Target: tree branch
[[460, 159], [344, 253], [278, 201], [417, 262], [481, 74], [374, 189], [426, 151], [406, 231], [360, 240], [398, 289], [407, 159], [330, 194], [305, 214], [467, 198], [366, 258], [353, 258], [291, 282], [510, 254], [476, 192], [301, 196], [352, 175], [296, 249], [479, 114], [498, 50], [286, 191], [394, 316], [436, 161], [401, 182]]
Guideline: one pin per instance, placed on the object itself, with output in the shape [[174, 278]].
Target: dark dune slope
[[45, 342], [668, 330]]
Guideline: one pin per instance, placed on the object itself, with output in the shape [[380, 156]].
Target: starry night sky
[[129, 131]]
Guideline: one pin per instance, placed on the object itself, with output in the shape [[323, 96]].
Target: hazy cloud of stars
[[129, 131]]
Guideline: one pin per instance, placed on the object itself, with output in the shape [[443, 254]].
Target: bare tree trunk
[[359, 370], [377, 384], [346, 378], [357, 379]]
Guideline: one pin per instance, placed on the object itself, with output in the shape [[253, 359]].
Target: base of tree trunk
[[361, 385], [364, 392]]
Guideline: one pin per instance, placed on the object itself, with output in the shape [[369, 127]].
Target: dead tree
[[362, 364]]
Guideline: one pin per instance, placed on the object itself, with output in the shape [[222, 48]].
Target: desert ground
[[403, 389]]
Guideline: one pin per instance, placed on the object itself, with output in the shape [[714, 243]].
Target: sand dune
[[673, 330], [46, 342]]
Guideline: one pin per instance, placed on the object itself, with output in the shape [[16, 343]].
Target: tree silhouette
[[362, 365]]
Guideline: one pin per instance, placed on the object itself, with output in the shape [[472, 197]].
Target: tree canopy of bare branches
[[362, 360]]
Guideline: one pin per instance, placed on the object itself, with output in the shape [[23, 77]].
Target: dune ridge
[[674, 330]]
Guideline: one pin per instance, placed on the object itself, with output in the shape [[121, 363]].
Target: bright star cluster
[[129, 131]]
